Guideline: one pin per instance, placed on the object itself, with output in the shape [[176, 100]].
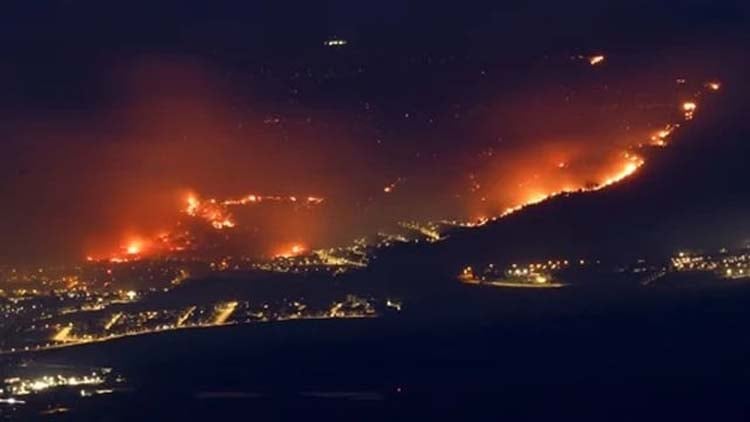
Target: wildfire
[[631, 165], [689, 108], [249, 199], [628, 169], [595, 60], [210, 210], [574, 171], [133, 248], [660, 137], [713, 85], [217, 213], [295, 249], [192, 205], [213, 211], [392, 186], [254, 199]]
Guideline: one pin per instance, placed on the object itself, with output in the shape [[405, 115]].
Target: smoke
[[88, 179]]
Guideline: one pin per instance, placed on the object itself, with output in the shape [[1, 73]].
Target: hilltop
[[691, 194]]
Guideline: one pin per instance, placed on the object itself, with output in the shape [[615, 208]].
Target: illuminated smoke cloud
[[124, 175]]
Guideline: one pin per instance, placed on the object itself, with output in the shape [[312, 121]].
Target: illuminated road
[[224, 313], [512, 284], [516, 285], [64, 340], [432, 235], [64, 334], [185, 316], [116, 317]]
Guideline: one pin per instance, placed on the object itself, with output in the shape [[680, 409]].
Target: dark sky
[[110, 111]]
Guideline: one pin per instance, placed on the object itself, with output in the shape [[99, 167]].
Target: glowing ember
[[293, 250], [628, 169], [211, 211], [392, 186], [253, 199], [689, 108], [134, 248], [659, 138], [713, 86], [192, 205], [595, 60], [216, 212]]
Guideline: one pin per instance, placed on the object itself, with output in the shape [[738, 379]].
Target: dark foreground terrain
[[669, 352]]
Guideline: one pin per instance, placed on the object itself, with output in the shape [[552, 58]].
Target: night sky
[[110, 114]]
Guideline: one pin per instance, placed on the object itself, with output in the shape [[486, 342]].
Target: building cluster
[[540, 274], [98, 276], [17, 386], [725, 263], [74, 320], [31, 379]]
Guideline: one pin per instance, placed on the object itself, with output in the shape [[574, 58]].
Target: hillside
[[693, 194]]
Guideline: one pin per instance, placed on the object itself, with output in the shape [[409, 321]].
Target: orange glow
[[223, 224], [713, 85], [595, 60], [391, 186], [626, 165], [550, 145], [211, 211], [659, 138], [536, 198], [627, 170], [295, 249], [192, 205], [133, 248], [689, 108], [253, 198], [216, 213]]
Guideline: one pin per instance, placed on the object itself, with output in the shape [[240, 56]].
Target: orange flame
[[295, 249], [595, 60]]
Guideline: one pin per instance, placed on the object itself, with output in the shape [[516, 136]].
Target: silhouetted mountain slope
[[693, 194]]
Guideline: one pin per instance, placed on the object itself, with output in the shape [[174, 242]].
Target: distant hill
[[693, 194]]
